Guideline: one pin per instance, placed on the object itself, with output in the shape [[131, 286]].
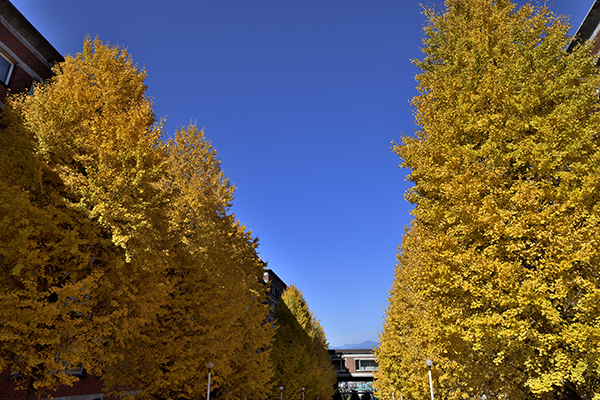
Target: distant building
[[25, 55], [589, 28], [354, 369], [276, 289]]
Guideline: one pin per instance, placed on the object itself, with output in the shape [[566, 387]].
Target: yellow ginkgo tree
[[299, 356], [81, 250], [497, 278], [118, 250], [217, 309]]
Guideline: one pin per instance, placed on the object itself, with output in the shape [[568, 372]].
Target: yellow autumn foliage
[[217, 309], [497, 277], [82, 263], [299, 356], [118, 250]]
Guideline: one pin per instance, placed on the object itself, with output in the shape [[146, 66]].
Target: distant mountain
[[364, 345]]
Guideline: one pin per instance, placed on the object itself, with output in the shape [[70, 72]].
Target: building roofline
[[350, 351], [20, 24], [588, 26], [274, 275]]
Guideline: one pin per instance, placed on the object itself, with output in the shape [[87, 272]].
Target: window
[[275, 292], [6, 69], [339, 365], [366, 365], [76, 371]]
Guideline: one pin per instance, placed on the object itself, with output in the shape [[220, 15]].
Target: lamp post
[[210, 366], [429, 363], [280, 392], [302, 392]]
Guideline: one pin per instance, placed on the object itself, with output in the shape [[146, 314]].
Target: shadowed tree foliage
[[299, 355], [497, 277]]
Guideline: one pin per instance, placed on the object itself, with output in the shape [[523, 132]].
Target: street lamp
[[429, 363], [210, 366], [280, 392], [302, 392]]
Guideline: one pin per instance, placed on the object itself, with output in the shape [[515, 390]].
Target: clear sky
[[302, 100]]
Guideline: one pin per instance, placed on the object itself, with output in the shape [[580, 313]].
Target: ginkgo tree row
[[299, 356], [498, 278], [118, 250]]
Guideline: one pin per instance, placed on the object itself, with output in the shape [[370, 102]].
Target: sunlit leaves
[[77, 224], [217, 308], [118, 250], [497, 278]]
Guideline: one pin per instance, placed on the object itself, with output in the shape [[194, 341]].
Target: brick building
[[354, 369], [589, 28], [88, 387], [25, 55]]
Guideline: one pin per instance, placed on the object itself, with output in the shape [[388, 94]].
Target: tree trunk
[[32, 392], [571, 392]]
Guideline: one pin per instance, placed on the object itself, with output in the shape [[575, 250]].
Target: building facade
[[89, 387], [355, 371], [25, 55], [589, 28], [276, 289]]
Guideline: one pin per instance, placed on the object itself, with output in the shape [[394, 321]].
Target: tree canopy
[[118, 250], [299, 355], [83, 210], [496, 278]]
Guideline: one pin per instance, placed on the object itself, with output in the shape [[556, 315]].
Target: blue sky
[[302, 100]]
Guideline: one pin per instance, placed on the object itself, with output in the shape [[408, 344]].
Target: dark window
[[339, 365], [6, 68]]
